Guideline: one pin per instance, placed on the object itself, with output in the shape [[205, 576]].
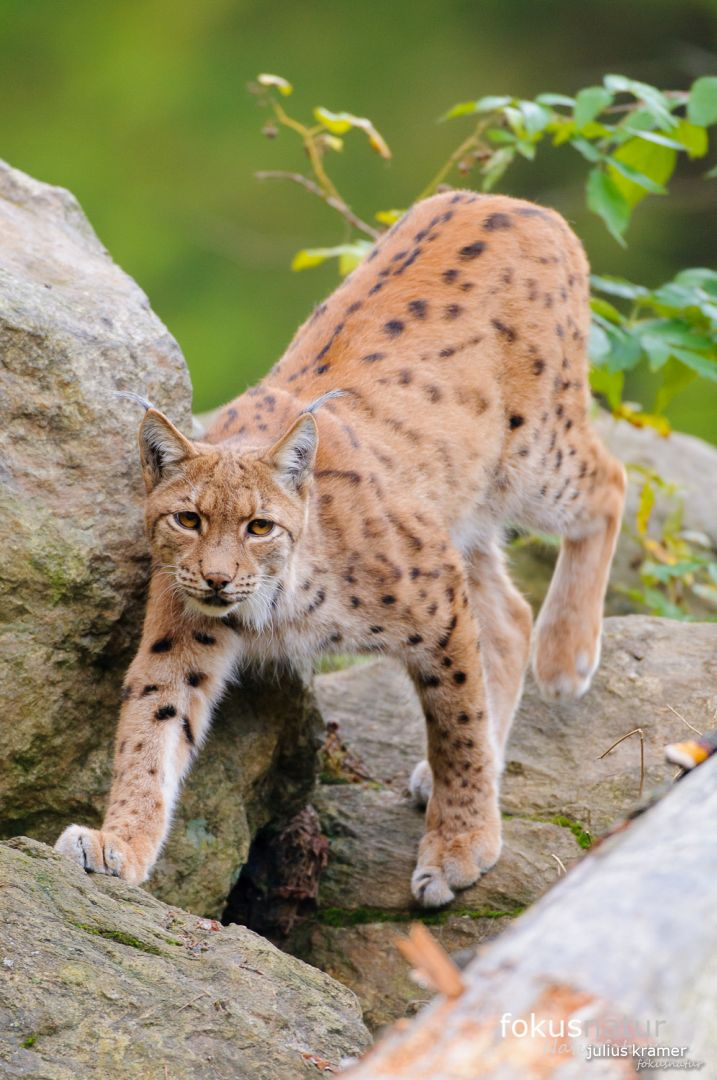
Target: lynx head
[[223, 523]]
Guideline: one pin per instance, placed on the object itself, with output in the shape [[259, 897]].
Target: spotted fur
[[459, 347]]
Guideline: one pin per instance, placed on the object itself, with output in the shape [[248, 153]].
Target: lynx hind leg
[[567, 640], [506, 623]]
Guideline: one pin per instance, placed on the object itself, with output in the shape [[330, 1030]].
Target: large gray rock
[[558, 792], [73, 330], [100, 980]]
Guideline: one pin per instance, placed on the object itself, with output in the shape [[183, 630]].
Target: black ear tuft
[[162, 447], [293, 457]]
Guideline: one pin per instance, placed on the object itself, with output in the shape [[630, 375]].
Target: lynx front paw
[[101, 853], [565, 661], [453, 862]]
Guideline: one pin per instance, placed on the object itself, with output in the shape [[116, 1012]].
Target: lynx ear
[[161, 448], [294, 455]]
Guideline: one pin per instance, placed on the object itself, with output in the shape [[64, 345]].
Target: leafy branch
[[632, 136]]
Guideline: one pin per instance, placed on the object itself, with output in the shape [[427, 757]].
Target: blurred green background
[[140, 107]]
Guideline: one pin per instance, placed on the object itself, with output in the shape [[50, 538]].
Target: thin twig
[[641, 733], [336, 204], [560, 863], [472, 140], [689, 725]]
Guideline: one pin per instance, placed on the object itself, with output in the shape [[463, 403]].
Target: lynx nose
[[216, 580]]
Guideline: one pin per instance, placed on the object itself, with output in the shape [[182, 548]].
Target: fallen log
[[613, 971]]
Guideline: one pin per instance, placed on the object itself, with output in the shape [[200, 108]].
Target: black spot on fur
[[149, 689], [506, 331], [471, 251], [194, 678], [376, 629], [204, 639], [459, 677], [430, 680], [497, 221], [165, 713], [372, 358], [415, 639], [449, 276], [355, 601], [463, 718], [394, 327], [316, 602], [163, 645], [388, 599], [448, 351], [452, 311], [538, 367], [516, 422], [418, 308], [321, 370]]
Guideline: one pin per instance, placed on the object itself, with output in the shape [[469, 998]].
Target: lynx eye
[[260, 527], [187, 519]]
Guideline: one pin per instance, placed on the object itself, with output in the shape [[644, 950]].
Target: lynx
[[354, 501]]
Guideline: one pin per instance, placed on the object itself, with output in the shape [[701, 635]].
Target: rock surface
[[73, 330], [100, 980], [679, 459], [557, 792]]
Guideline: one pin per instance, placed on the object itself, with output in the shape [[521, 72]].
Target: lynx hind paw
[[421, 784], [98, 852]]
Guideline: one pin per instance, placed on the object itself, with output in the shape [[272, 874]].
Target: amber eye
[[259, 527], [187, 519]]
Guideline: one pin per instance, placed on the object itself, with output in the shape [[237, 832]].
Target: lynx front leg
[[463, 829], [177, 675]]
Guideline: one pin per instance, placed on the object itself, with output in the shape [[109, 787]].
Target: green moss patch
[[121, 938]]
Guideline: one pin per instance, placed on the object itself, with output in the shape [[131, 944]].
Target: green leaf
[[496, 166], [340, 123], [555, 99], [602, 307], [693, 138], [702, 105], [698, 362], [389, 217], [653, 137], [675, 377], [606, 200], [526, 149], [535, 117], [483, 105], [644, 509], [625, 351], [589, 103], [653, 101], [276, 82], [638, 167], [609, 384], [349, 256], [616, 286], [598, 343], [588, 151]]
